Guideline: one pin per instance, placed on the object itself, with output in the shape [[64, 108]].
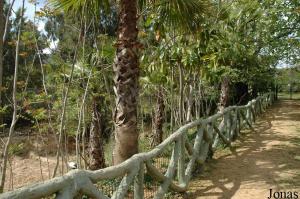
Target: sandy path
[[258, 161]]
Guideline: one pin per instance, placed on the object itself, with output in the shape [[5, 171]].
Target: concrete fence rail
[[186, 155]]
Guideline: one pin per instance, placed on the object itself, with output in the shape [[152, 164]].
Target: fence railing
[[205, 134]]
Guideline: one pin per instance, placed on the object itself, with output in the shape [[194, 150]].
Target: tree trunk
[[181, 94], [172, 101], [242, 93], [1, 54], [254, 92], [80, 119], [159, 119], [126, 70], [63, 111], [97, 160], [6, 26], [224, 95], [223, 103], [276, 91], [14, 98], [190, 103]]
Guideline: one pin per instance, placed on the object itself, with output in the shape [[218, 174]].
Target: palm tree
[[126, 70], [159, 118], [174, 13], [97, 160], [126, 67]]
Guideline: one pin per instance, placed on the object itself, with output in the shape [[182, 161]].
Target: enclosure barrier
[[222, 127]]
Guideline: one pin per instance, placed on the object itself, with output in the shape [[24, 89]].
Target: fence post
[[261, 105], [256, 111], [253, 110], [181, 160], [215, 139], [139, 183], [248, 115], [238, 122], [265, 102], [226, 128], [235, 119], [232, 124]]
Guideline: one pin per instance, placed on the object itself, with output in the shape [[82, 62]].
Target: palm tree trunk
[[97, 160], [126, 70], [159, 119], [224, 96]]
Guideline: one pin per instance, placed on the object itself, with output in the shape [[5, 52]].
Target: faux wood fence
[[184, 157]]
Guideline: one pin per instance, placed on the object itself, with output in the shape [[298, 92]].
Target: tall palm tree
[[126, 70], [126, 66], [186, 13]]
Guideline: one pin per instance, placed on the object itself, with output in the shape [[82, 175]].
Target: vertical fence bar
[[235, 121], [248, 114], [253, 110], [139, 183], [224, 129], [260, 105], [238, 122], [228, 125], [211, 130], [232, 124], [181, 161], [195, 155], [170, 171]]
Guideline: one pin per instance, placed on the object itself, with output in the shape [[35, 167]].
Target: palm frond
[[184, 14], [89, 7]]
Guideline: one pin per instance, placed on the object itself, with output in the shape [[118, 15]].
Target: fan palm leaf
[[89, 7], [186, 14], [174, 13]]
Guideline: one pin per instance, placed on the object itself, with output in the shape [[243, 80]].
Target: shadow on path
[[258, 161]]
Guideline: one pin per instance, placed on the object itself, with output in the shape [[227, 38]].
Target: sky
[[29, 13], [30, 9]]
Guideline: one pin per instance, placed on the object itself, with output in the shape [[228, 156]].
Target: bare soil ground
[[33, 161], [268, 158]]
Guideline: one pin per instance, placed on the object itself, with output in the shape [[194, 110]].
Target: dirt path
[[259, 161]]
